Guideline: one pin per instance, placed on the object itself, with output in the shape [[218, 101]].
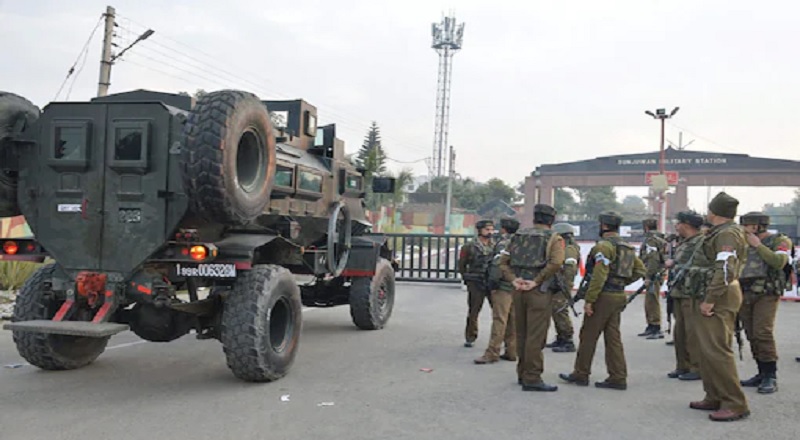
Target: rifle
[[643, 287], [559, 284], [671, 282], [738, 330]]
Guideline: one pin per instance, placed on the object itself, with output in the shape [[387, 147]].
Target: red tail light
[[10, 247], [198, 253]]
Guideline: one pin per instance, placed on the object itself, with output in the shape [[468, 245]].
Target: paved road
[[183, 390]]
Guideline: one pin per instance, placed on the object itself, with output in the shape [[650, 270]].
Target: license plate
[[208, 270]]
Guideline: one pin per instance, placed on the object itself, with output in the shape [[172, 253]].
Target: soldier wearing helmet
[[612, 264], [687, 352], [652, 252], [763, 282], [531, 260], [561, 319], [473, 262], [502, 298]]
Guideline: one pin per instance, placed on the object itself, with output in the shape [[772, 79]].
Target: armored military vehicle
[[139, 197]]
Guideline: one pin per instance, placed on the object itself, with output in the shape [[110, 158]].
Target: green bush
[[14, 273]]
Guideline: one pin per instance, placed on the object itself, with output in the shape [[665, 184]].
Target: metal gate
[[427, 257]]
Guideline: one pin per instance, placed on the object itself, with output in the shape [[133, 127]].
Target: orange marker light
[[10, 247], [198, 252]]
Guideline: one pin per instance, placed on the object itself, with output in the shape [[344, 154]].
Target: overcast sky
[[536, 82]]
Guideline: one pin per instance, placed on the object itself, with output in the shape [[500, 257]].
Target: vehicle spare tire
[[228, 157], [16, 114]]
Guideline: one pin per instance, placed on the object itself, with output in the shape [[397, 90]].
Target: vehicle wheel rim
[[281, 325], [249, 161]]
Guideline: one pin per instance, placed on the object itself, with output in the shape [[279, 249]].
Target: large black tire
[[229, 157], [47, 351], [261, 324], [372, 299], [16, 112]]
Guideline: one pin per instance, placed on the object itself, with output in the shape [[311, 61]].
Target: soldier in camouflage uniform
[[473, 262], [764, 280], [651, 252], [529, 263], [502, 299], [687, 354], [561, 318], [612, 265], [716, 273]]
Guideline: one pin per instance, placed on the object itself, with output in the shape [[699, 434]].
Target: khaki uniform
[[651, 253], [722, 247], [687, 355], [606, 293], [472, 265], [763, 283], [561, 318], [503, 323], [532, 308]]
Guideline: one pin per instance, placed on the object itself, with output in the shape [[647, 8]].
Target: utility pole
[[448, 203], [105, 60], [663, 116]]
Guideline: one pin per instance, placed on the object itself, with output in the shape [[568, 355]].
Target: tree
[[469, 194], [594, 200], [634, 208], [564, 201], [497, 189], [371, 155]]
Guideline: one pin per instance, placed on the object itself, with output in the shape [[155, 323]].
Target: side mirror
[[383, 185]]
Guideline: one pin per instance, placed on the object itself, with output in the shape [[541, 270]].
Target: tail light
[[10, 247], [198, 253]]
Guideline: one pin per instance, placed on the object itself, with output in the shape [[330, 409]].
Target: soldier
[[612, 265], [721, 265], [651, 252], [502, 303], [529, 263], [763, 281], [472, 264], [687, 356], [561, 318]]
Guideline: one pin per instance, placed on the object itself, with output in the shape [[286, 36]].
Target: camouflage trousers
[[561, 319], [758, 320]]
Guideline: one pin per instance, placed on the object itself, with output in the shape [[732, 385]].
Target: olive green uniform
[[687, 355], [651, 253], [763, 283], [532, 308], [561, 318], [606, 294], [472, 265], [719, 270], [503, 323]]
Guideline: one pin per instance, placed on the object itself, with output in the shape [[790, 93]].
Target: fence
[[427, 257]]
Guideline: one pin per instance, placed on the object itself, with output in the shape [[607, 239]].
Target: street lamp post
[[663, 116]]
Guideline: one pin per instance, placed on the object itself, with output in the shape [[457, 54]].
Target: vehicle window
[[353, 182], [128, 144], [284, 176], [69, 143], [310, 182]]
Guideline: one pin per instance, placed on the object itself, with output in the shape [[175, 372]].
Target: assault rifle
[[738, 332], [672, 240], [583, 287], [644, 287], [559, 284]]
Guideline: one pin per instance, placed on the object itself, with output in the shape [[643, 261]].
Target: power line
[[82, 54], [338, 113], [735, 150]]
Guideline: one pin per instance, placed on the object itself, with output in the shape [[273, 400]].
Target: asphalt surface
[[353, 384]]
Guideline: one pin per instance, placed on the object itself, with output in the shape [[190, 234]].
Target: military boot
[[567, 346], [755, 380], [647, 331], [556, 343], [656, 333], [769, 383]]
